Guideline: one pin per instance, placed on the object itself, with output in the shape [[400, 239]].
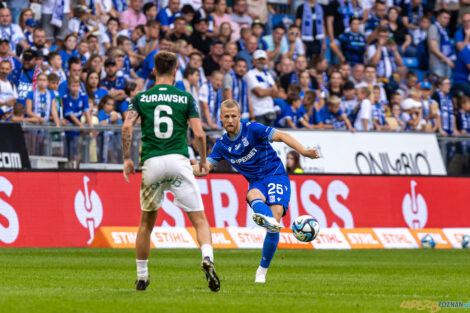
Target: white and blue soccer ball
[[428, 241], [305, 228], [466, 241]]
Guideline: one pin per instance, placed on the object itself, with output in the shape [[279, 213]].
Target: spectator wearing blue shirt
[[53, 85], [16, 64], [300, 67], [295, 115], [376, 19], [306, 83], [332, 117], [463, 115], [25, 81], [147, 67], [352, 44], [167, 16], [41, 104], [462, 71], [75, 69], [69, 50], [280, 107], [349, 104], [462, 35], [257, 30], [309, 104], [94, 92], [247, 53], [114, 84], [75, 106], [378, 110], [107, 115], [443, 98]]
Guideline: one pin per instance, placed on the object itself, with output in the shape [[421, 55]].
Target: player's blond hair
[[229, 104]]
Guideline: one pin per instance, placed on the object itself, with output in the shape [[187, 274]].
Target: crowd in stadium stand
[[396, 65]]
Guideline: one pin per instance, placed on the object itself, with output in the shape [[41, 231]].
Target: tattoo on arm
[[131, 119]]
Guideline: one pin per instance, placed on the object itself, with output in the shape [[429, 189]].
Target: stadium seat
[[413, 65], [285, 20], [411, 62]]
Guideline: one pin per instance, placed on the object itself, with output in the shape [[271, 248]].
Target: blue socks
[[269, 248], [260, 207], [272, 239]]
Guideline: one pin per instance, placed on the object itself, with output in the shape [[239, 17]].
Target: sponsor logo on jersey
[[245, 142], [164, 98], [246, 157]]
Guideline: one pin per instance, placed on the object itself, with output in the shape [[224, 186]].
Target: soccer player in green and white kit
[[164, 112]]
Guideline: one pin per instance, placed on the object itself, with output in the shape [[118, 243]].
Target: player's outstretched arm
[[126, 133], [294, 144]]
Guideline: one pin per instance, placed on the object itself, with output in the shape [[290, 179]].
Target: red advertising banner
[[48, 209]]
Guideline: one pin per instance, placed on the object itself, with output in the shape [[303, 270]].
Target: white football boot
[[266, 221], [260, 277]]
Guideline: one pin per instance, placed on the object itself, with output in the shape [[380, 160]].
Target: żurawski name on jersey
[[164, 98]]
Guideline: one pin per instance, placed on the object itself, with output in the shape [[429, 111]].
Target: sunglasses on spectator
[[120, 56], [294, 33]]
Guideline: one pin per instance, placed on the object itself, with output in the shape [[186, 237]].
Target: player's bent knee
[[253, 194]]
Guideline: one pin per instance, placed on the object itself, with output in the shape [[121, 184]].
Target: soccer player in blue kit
[[246, 146]]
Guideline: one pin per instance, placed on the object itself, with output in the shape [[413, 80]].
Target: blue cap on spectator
[[425, 85], [30, 22]]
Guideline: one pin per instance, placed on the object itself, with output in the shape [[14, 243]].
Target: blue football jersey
[[250, 152]]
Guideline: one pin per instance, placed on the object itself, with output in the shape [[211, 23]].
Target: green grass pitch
[[102, 280]]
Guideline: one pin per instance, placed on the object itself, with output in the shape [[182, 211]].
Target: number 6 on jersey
[[158, 120]]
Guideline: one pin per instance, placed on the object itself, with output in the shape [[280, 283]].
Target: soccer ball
[[427, 241], [305, 228], [466, 241]]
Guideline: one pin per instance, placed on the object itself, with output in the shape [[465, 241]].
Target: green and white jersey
[[164, 111]]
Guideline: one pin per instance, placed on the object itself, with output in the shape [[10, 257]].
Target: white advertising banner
[[369, 153]]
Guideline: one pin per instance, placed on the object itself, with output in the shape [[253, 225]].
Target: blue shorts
[[276, 190]]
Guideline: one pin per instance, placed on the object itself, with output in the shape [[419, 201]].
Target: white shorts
[[171, 172]]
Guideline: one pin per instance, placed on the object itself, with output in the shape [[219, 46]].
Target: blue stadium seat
[[411, 62], [284, 19]]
